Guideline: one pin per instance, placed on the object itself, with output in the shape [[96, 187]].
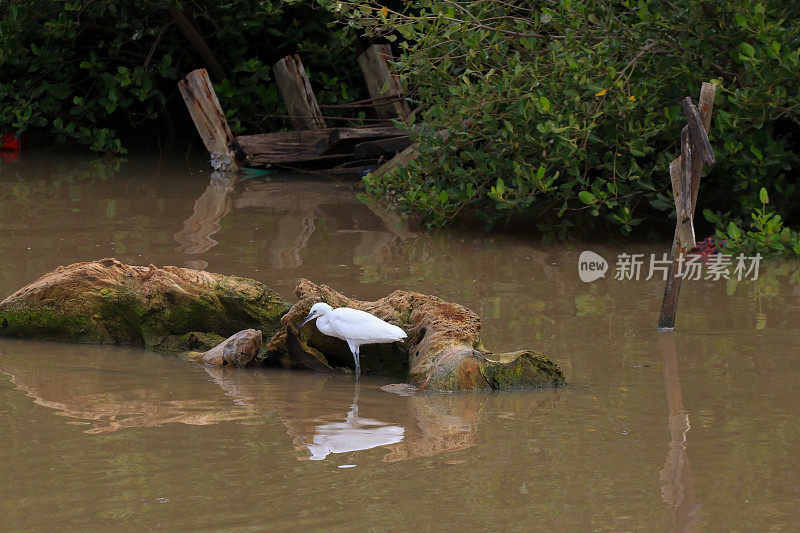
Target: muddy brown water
[[693, 430]]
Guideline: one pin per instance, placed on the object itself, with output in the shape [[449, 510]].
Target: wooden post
[[301, 104], [669, 305], [203, 106], [682, 193], [686, 213], [699, 134], [382, 82]]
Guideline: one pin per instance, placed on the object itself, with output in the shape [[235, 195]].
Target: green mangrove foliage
[[767, 234], [102, 74], [568, 111]]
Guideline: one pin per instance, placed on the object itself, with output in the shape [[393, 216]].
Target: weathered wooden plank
[[382, 82], [705, 106], [343, 140], [682, 197], [207, 114], [381, 147], [286, 147], [699, 134], [358, 134], [401, 159], [672, 288], [301, 104], [683, 193]]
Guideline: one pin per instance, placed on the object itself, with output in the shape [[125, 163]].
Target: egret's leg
[[358, 361], [354, 350]]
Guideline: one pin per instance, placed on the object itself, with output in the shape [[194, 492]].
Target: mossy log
[[443, 350], [168, 309], [183, 310]]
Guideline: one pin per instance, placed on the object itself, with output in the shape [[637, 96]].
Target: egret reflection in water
[[112, 389], [353, 434]]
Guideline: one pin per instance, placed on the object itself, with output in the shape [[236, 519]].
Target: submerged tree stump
[[443, 350], [182, 310]]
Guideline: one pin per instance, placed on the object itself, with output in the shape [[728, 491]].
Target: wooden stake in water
[[381, 81], [207, 114], [301, 104], [686, 176], [680, 174]]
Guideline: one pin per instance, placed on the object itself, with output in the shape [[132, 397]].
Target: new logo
[[591, 266]]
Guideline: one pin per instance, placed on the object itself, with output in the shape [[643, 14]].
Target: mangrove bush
[[567, 111], [104, 74]]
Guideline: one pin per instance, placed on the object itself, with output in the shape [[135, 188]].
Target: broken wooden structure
[[312, 143], [685, 172]]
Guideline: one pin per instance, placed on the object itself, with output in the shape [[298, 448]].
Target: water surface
[[691, 430]]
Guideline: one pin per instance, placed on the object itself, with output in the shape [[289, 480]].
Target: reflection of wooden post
[[291, 237], [382, 82], [683, 241], [209, 209], [203, 106], [301, 104], [678, 491]]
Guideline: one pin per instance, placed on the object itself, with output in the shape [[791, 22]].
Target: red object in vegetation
[[11, 142], [10, 156], [707, 247]]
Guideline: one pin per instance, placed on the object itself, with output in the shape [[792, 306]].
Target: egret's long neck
[[322, 323]]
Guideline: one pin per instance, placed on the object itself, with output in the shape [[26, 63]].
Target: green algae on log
[[168, 309], [443, 350]]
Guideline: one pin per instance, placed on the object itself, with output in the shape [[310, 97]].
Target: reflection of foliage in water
[[77, 209], [15, 186], [774, 278]]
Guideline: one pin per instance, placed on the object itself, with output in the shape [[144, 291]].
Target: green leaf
[[544, 103], [763, 196], [733, 231], [748, 50], [587, 197]]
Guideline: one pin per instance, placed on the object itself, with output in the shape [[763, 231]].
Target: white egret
[[352, 435], [353, 326]]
